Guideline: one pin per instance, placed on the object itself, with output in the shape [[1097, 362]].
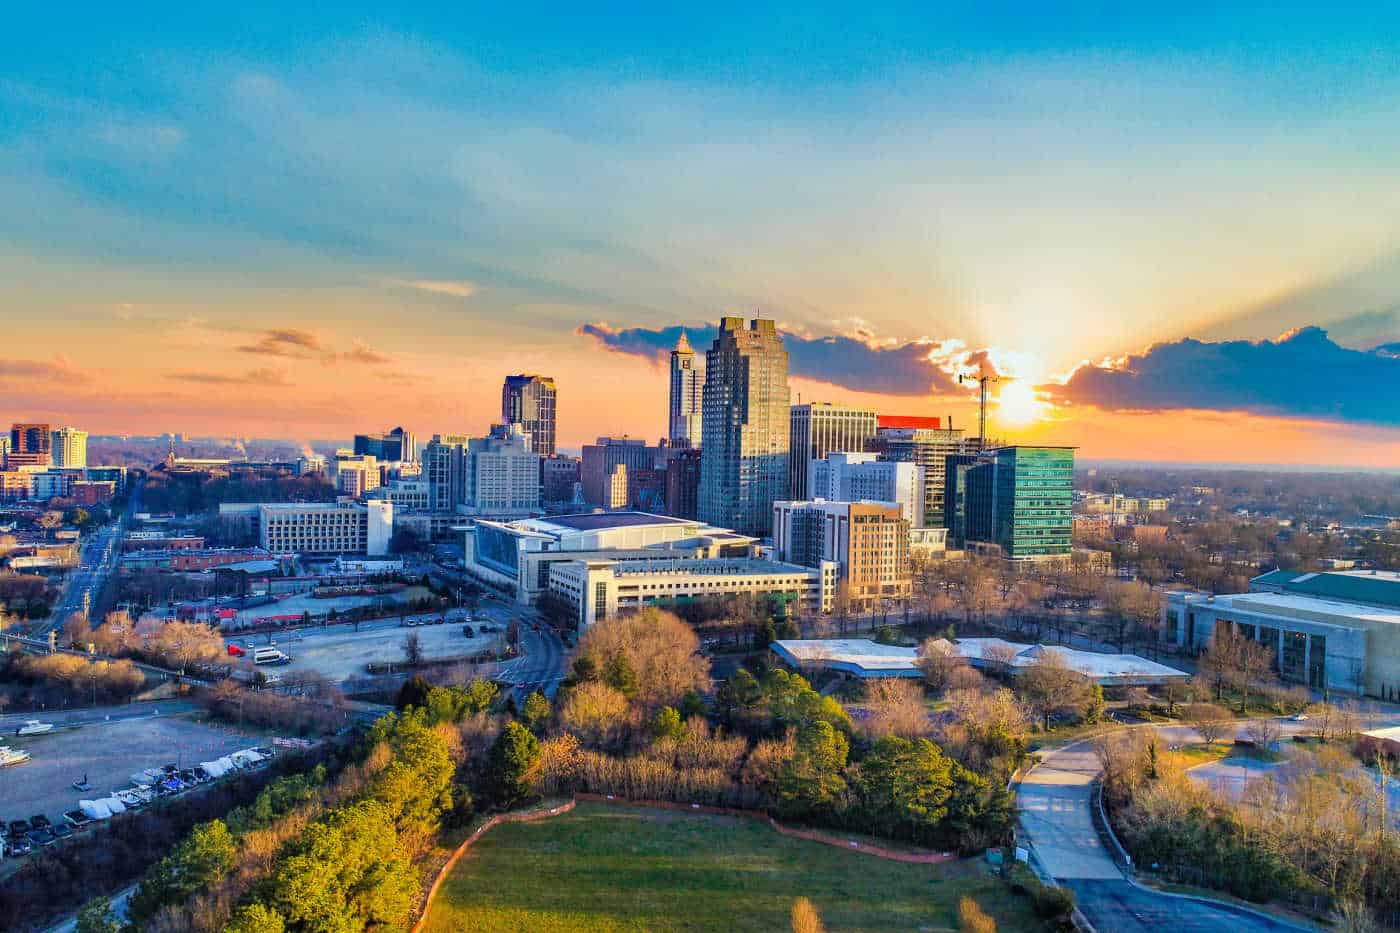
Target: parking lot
[[108, 753], [339, 652]]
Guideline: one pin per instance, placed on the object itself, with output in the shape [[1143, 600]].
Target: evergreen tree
[[511, 765]]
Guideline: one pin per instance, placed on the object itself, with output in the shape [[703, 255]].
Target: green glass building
[[1017, 498]]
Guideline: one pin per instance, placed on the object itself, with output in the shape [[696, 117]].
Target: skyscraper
[[687, 388], [602, 459], [528, 400], [69, 448], [744, 455], [816, 430], [30, 445]]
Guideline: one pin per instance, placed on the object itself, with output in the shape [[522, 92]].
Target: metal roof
[[1372, 587]]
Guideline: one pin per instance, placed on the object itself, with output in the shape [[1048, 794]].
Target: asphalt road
[[1056, 819], [541, 664]]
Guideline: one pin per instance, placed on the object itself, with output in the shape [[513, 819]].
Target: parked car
[[39, 821], [77, 818], [18, 846], [468, 631], [61, 830], [40, 837], [19, 828]]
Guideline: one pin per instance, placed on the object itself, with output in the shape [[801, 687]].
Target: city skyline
[[256, 231]]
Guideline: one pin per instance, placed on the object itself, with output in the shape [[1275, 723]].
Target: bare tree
[[896, 707], [412, 650], [1264, 733], [1050, 685], [1209, 719]]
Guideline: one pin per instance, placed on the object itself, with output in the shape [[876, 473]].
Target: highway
[[97, 556], [541, 662]]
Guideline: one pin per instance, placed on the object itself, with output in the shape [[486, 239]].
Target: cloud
[[254, 377], [860, 362], [297, 343], [459, 288], [57, 369], [359, 353], [1303, 373]]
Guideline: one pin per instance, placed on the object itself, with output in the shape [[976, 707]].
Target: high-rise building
[[356, 474], [851, 477], [396, 446], [30, 445], [529, 401], [869, 541], [954, 496], [1015, 500], [683, 483], [921, 441], [504, 472], [69, 448], [600, 462], [445, 467], [687, 392], [818, 429], [744, 454], [559, 476]]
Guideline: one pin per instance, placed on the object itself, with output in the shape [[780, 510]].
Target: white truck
[[267, 655]]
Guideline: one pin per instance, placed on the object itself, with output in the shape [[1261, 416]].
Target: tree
[[414, 692], [1264, 733], [940, 663], [412, 650], [805, 918], [973, 919], [1050, 685], [511, 765], [202, 858], [256, 917], [1209, 720], [739, 693], [812, 780], [1233, 662], [895, 707], [96, 917], [904, 787], [535, 714], [619, 675], [667, 724], [595, 712], [662, 650]]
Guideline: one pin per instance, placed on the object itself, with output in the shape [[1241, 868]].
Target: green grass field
[[606, 868]]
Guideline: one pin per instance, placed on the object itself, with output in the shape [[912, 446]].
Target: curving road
[[1056, 803]]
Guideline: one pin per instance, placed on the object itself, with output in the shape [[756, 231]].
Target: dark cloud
[[1301, 374], [901, 369], [285, 343]]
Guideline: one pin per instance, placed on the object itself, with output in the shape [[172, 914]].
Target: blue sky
[[1037, 185]]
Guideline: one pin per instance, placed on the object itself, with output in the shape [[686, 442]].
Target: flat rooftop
[[864, 658], [1303, 607], [703, 566], [595, 521], [1374, 587]]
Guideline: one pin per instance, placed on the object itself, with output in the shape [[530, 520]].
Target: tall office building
[[1015, 500], [745, 433], [925, 442], [30, 445], [601, 460], [445, 468], [529, 401], [687, 391], [818, 429], [69, 448], [683, 483], [396, 446], [559, 478]]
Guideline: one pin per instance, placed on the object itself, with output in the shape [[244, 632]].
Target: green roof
[[1357, 587]]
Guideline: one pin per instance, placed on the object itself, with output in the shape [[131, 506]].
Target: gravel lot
[[340, 652], [109, 753]]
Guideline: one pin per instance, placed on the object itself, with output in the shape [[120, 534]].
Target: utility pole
[[982, 378]]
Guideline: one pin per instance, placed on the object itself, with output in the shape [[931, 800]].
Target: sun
[[1018, 404]]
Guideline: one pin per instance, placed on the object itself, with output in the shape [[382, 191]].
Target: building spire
[[683, 344]]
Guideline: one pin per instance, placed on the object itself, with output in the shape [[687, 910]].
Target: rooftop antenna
[[982, 378]]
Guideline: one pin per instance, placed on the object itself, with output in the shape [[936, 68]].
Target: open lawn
[[612, 868]]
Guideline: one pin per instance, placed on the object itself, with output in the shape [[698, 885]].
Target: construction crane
[[982, 379]]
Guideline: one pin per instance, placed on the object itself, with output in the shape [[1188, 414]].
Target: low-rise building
[[516, 555], [341, 527], [597, 589], [1336, 631]]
